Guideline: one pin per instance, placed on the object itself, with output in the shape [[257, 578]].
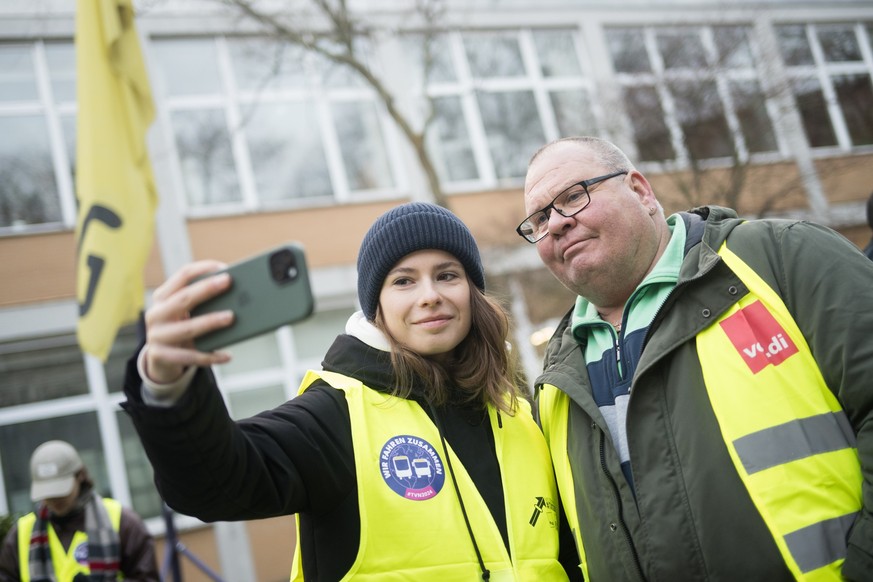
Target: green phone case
[[267, 291]]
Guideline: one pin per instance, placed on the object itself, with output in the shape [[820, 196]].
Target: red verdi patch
[[758, 337]]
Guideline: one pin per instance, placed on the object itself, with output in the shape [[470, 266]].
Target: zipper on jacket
[[621, 522], [618, 357]]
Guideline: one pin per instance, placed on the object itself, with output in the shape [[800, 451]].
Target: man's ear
[[641, 186]]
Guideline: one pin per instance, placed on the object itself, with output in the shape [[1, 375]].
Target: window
[[283, 135], [749, 104], [700, 112], [40, 370], [830, 81], [287, 152], [498, 96], [514, 129], [363, 146], [814, 111], [692, 88], [681, 49], [628, 49], [37, 101], [144, 498], [20, 440], [569, 92], [126, 342], [855, 97], [29, 188], [649, 123], [260, 124], [839, 44], [450, 141]]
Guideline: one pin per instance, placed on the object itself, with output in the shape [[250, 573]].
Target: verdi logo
[[758, 337]]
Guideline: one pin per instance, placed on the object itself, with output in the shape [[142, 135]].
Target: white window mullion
[[319, 96], [777, 80], [771, 77], [290, 365], [109, 433], [470, 107], [56, 140], [236, 125], [4, 507], [601, 84], [723, 88], [335, 162], [67, 406], [667, 103], [838, 122], [539, 86], [866, 45]]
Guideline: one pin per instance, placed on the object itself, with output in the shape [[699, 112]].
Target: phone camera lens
[[283, 266]]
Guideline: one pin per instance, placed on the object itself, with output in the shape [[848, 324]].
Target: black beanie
[[411, 227]]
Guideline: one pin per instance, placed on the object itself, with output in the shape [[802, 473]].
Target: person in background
[[708, 400], [411, 455], [74, 534]]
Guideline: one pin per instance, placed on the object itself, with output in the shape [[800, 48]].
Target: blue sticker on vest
[[412, 467], [80, 554]]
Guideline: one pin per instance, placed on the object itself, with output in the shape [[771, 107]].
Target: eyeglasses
[[569, 202]]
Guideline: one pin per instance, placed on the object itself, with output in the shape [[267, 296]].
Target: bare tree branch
[[339, 42]]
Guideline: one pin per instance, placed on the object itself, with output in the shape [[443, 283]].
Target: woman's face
[[425, 302]]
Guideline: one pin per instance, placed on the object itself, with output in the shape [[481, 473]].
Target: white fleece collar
[[358, 326]]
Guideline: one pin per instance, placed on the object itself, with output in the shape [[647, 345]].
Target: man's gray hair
[[612, 157]]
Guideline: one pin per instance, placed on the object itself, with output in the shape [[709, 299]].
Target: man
[[74, 532], [707, 399]]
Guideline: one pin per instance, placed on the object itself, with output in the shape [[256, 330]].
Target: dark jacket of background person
[[137, 546]]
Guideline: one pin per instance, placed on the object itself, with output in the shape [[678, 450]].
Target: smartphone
[[267, 291]]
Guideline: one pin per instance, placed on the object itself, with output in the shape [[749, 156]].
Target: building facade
[[763, 106]]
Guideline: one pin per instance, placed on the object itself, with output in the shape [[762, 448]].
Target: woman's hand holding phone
[[170, 329]]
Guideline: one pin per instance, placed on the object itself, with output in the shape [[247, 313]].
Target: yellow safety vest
[[412, 527], [786, 433], [68, 563]]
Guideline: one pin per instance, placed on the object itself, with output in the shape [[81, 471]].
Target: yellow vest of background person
[[772, 392], [412, 527], [65, 564]]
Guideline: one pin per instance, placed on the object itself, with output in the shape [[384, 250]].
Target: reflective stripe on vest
[[554, 407], [786, 433], [407, 501], [65, 564]]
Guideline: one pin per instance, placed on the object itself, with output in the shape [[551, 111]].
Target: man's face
[[610, 245], [61, 506]]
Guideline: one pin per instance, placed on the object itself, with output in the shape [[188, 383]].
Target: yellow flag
[[114, 182]]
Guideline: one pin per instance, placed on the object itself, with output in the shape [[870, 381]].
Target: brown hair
[[482, 367]]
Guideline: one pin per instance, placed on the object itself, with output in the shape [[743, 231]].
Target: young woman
[[412, 455]]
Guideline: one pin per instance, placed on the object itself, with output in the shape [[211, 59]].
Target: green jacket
[[689, 516]]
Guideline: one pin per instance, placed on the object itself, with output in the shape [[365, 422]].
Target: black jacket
[[296, 458]]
